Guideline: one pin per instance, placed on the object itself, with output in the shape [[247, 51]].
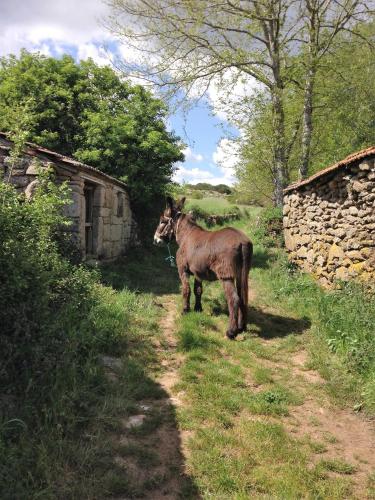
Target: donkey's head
[[166, 229]]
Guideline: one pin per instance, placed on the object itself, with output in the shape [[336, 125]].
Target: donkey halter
[[170, 225]]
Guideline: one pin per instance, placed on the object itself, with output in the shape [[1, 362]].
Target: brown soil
[[166, 478], [346, 435]]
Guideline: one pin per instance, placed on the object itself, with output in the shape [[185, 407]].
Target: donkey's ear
[[181, 203], [170, 202]]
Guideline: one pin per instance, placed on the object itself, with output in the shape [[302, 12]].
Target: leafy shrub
[[269, 230], [196, 195], [211, 219], [198, 212], [43, 297]]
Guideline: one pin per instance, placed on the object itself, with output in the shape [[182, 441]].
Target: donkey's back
[[215, 254]]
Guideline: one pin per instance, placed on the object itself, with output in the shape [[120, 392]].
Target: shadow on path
[[268, 325], [145, 270]]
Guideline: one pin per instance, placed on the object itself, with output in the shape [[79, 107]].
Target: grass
[[235, 407], [69, 453], [218, 205], [214, 204], [67, 449], [338, 466], [341, 344], [238, 396]]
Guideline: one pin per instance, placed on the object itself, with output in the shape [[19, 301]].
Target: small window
[[120, 205]]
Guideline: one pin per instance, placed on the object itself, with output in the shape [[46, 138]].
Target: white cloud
[[33, 23], [226, 157], [195, 175], [98, 54], [191, 156]]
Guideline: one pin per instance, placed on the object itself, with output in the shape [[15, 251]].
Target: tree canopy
[[282, 44], [343, 116], [90, 113]]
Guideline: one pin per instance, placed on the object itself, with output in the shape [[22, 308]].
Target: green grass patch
[[212, 205], [235, 452], [341, 343], [262, 375], [338, 466], [63, 446]]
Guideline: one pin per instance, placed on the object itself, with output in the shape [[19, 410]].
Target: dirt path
[[155, 460], [340, 435], [157, 449]]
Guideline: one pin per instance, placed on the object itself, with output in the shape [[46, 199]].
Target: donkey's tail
[[243, 281]]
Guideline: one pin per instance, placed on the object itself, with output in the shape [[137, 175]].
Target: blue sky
[[54, 27]]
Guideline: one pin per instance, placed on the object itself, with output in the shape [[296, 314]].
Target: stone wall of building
[[329, 224], [113, 227]]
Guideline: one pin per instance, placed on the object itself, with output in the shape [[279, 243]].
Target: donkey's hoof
[[198, 309], [186, 310], [231, 334]]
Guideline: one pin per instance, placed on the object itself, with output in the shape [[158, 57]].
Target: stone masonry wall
[[113, 231], [329, 224]]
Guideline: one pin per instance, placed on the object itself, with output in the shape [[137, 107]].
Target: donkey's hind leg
[[198, 290], [233, 306], [242, 307]]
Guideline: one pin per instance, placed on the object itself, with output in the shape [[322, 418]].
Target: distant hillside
[[205, 186]]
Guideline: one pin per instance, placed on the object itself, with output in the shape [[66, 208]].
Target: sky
[[54, 27]]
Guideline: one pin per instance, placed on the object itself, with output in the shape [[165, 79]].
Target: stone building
[[102, 222], [329, 220]]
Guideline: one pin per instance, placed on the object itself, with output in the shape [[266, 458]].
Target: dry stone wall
[[329, 224]]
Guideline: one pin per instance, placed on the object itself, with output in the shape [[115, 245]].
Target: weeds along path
[[144, 444], [259, 419], [342, 441], [150, 451]]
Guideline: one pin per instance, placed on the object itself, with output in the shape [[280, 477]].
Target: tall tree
[[344, 111], [90, 113], [323, 21], [185, 44]]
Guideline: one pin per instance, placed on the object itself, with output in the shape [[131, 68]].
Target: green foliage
[[344, 345], [196, 195], [343, 116], [269, 227], [90, 113], [41, 294], [56, 405]]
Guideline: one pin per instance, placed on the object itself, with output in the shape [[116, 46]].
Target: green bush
[[196, 195], [56, 321], [198, 212], [43, 297], [269, 229]]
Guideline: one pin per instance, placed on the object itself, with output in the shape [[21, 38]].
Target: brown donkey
[[209, 255]]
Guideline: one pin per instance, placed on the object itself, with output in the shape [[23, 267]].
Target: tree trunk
[[307, 127], [280, 177]]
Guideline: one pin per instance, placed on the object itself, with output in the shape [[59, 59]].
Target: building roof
[[352, 158], [35, 150]]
